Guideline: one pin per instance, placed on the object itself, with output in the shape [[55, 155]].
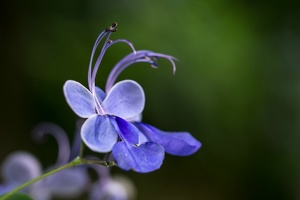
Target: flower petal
[[127, 131], [137, 118], [126, 99], [108, 189], [144, 158], [79, 99], [99, 134], [175, 143], [20, 167]]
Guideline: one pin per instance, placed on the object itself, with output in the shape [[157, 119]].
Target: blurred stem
[[81, 150], [75, 162]]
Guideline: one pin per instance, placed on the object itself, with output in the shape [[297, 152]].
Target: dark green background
[[237, 86]]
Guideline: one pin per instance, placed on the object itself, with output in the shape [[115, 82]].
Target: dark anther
[[113, 27]]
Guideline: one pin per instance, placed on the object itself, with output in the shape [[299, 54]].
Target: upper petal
[[79, 99], [144, 158], [126, 99], [137, 118], [99, 134], [175, 143]]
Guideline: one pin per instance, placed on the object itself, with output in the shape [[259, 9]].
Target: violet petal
[[144, 158], [127, 131], [175, 143]]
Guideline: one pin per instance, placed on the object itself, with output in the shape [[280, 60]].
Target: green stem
[[81, 149], [98, 162], [76, 161]]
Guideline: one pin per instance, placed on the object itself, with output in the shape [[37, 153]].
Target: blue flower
[[106, 130], [112, 116], [126, 99]]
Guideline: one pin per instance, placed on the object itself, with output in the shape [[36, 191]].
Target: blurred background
[[236, 89]]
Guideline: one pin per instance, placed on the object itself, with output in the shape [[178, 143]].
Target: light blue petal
[[126, 99], [137, 118], [79, 99], [175, 143], [100, 94], [143, 138], [20, 167], [144, 158], [99, 134]]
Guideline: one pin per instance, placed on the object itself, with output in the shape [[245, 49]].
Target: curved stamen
[[107, 44], [59, 134], [92, 72], [125, 41], [99, 108], [110, 29], [98, 40], [98, 61], [138, 56]]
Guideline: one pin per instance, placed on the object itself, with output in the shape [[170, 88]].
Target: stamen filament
[[97, 64], [98, 40], [138, 56], [99, 108], [107, 44]]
